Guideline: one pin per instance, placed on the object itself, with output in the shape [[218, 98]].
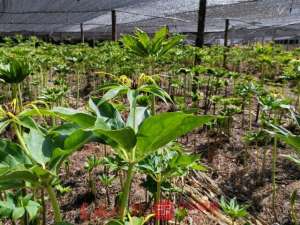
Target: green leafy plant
[[14, 72], [143, 46], [35, 162], [135, 139], [16, 205], [293, 141], [233, 209], [180, 215], [90, 165], [131, 220], [151, 49], [62, 190], [107, 181], [143, 88], [166, 164]]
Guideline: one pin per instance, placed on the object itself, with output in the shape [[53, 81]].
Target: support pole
[[225, 42], [226, 33], [81, 33], [114, 25], [201, 23], [199, 43]]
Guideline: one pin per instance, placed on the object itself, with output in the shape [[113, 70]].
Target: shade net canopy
[[249, 19]]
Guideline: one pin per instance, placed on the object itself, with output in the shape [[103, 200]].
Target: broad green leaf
[[137, 114], [112, 93], [158, 39], [36, 112], [15, 71], [84, 120], [292, 140], [11, 184], [93, 107], [12, 155], [160, 34], [156, 91], [72, 143], [40, 147], [32, 208], [141, 113], [170, 44], [6, 209], [157, 131], [122, 139], [77, 139], [19, 173], [132, 43], [144, 39], [29, 123], [65, 130], [132, 95], [18, 213], [3, 125], [108, 116]]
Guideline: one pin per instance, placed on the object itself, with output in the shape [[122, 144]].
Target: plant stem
[[293, 210], [125, 191], [20, 101], [44, 221], [274, 159], [250, 115], [158, 190], [78, 89], [153, 105], [107, 196], [263, 168], [92, 184], [55, 204], [21, 139], [25, 217], [14, 91]]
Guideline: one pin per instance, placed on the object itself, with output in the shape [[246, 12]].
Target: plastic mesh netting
[[249, 20]]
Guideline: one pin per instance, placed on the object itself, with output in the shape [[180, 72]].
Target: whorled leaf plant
[[132, 140], [34, 162], [13, 72]]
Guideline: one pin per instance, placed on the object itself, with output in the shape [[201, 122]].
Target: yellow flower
[[145, 79], [124, 80]]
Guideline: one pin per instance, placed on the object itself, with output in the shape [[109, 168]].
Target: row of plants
[[45, 120]]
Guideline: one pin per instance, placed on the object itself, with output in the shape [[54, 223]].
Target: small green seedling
[[107, 181], [63, 190], [233, 209], [180, 215], [90, 165]]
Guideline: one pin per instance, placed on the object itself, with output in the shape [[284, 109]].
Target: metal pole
[[114, 25], [81, 33]]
